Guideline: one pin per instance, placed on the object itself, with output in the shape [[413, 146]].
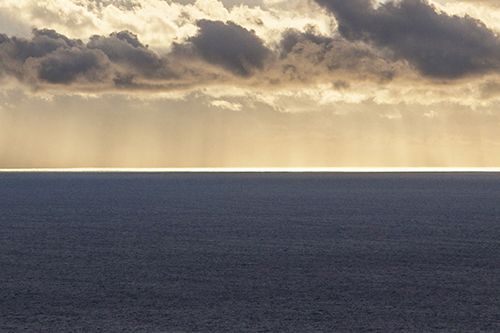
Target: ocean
[[249, 252]]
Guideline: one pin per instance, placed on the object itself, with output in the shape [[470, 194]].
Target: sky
[[256, 83]]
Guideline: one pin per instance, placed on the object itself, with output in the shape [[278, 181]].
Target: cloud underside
[[396, 39], [436, 44], [221, 52]]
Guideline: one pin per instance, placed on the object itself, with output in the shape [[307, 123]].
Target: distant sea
[[249, 252]]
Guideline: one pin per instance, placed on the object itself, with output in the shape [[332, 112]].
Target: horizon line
[[260, 170]]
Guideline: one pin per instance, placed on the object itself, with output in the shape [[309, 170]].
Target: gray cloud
[[44, 41], [307, 56], [15, 52], [437, 44], [125, 49], [122, 61], [50, 57], [373, 43], [230, 46], [67, 65], [294, 40]]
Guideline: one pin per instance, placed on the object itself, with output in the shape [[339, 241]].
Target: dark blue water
[[249, 252]]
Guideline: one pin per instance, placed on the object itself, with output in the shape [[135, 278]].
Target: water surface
[[173, 252]]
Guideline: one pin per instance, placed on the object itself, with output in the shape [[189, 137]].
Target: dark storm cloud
[[121, 60], [308, 56], [125, 49], [54, 58], [58, 59], [437, 44], [67, 65], [373, 43], [15, 52], [230, 46], [43, 42], [294, 40]]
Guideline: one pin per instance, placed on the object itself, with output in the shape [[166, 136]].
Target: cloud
[[292, 38], [15, 52], [12, 25], [436, 44], [326, 67], [66, 66], [52, 58], [44, 41], [230, 46], [120, 60], [97, 5], [124, 49], [238, 37], [226, 105], [492, 3], [308, 56], [490, 89]]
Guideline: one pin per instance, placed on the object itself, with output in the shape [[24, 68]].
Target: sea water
[[249, 252]]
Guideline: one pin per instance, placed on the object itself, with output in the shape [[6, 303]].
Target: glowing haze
[[256, 83]]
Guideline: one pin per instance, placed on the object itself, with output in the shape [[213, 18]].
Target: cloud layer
[[437, 44], [411, 41], [220, 51]]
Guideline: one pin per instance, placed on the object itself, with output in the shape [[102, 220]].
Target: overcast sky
[[234, 83]]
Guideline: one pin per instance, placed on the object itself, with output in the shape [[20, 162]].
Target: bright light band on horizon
[[253, 170]]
